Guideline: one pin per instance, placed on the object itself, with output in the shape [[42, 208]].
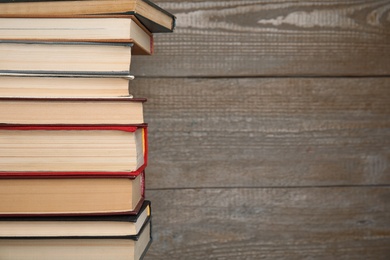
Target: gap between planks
[[274, 187]]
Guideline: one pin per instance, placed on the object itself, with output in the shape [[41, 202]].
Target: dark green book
[[118, 225], [79, 245], [149, 14]]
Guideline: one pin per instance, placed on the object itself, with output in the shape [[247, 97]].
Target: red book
[[72, 169]]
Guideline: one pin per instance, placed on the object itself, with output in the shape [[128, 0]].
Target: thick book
[[71, 193], [75, 226], [64, 85], [102, 29], [152, 16], [52, 150], [78, 248], [65, 57], [71, 110]]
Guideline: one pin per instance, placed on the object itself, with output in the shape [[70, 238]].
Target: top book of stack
[[154, 18]]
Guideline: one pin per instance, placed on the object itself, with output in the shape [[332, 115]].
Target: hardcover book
[[75, 226], [71, 193], [152, 16], [102, 29], [34, 85], [70, 149], [78, 248], [81, 111], [65, 57]]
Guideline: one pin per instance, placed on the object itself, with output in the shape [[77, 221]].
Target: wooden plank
[[277, 223], [256, 132], [262, 38]]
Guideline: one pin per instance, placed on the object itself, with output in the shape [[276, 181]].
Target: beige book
[[71, 148], [71, 110], [68, 85], [102, 29], [131, 248], [65, 57], [70, 196]]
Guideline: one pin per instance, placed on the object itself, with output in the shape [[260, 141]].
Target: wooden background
[[269, 130]]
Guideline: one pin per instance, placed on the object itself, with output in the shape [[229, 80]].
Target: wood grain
[[272, 38], [269, 130], [258, 132], [283, 223]]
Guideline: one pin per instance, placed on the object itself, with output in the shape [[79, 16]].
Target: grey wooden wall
[[269, 130]]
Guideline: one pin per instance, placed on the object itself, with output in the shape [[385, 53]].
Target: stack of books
[[73, 141]]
